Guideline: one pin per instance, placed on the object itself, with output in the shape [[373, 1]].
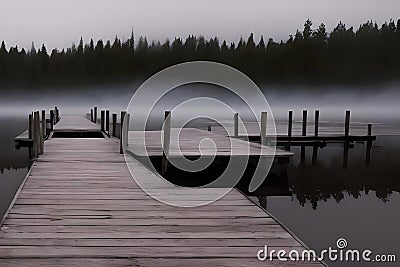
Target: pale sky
[[60, 23]]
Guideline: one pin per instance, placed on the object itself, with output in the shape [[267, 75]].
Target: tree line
[[369, 54]]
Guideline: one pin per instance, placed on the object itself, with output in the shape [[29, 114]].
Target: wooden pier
[[299, 133], [80, 206]]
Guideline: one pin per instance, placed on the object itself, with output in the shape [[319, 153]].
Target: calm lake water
[[320, 201]]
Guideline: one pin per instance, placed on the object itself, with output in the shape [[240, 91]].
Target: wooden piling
[[166, 141], [236, 125], [263, 131], [114, 125], [209, 128], [121, 146], [102, 120], [108, 122], [57, 115], [347, 123], [126, 131], [95, 115], [290, 123], [44, 124], [91, 115], [304, 129], [51, 120], [30, 134], [369, 129], [36, 134], [316, 123]]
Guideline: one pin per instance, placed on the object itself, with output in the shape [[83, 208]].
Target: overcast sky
[[60, 23]]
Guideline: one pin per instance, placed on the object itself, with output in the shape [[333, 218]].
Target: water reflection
[[334, 171], [14, 163]]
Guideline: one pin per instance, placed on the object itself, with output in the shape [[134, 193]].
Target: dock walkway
[[79, 206]]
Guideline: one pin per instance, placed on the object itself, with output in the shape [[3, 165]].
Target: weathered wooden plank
[[140, 222], [271, 228], [149, 262], [123, 235], [156, 242], [137, 252]]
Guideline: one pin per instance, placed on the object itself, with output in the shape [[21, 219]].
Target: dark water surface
[[13, 163], [360, 203]]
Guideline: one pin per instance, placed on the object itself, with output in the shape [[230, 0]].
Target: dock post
[[126, 130], [44, 124], [121, 146], [166, 141], [34, 146], [316, 123], [347, 124], [236, 125], [263, 131], [30, 134], [369, 129], [36, 133], [304, 130], [114, 125], [108, 122], [102, 120], [51, 120], [57, 115], [39, 134], [91, 115], [290, 123], [95, 115]]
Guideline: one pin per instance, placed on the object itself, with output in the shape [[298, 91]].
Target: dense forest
[[369, 54]]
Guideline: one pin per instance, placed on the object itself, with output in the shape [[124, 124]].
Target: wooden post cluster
[[166, 141], [36, 133]]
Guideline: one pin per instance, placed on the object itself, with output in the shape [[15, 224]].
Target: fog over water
[[368, 104]]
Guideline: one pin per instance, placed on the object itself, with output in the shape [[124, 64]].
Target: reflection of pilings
[[303, 155], [315, 154], [368, 155], [369, 146], [346, 147]]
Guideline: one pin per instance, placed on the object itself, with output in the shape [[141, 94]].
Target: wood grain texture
[[81, 207]]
